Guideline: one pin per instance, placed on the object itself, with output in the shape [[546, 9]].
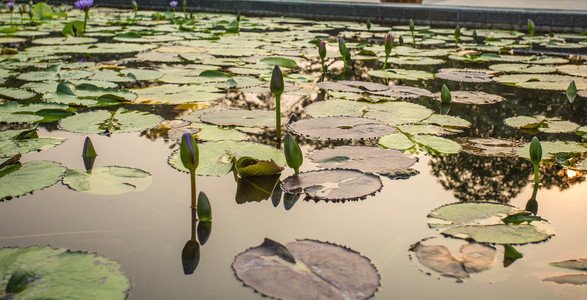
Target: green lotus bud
[[293, 153], [475, 36], [412, 27], [322, 50], [204, 208], [368, 24], [276, 84], [531, 28], [135, 6], [347, 56], [342, 47], [445, 94], [457, 34], [188, 152], [571, 91], [89, 150], [388, 42], [535, 151]]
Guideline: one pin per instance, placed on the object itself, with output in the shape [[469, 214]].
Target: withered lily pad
[[366, 159], [111, 180], [471, 97], [240, 117], [341, 128], [541, 123], [483, 223], [488, 147], [19, 179], [306, 269], [465, 75], [475, 258], [333, 185]]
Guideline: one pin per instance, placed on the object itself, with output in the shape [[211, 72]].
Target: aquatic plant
[[322, 53], [293, 153], [21, 12], [388, 43], [345, 53], [457, 35], [204, 208], [89, 154], [85, 5], [571, 91], [368, 24], [135, 8], [184, 4], [531, 27], [189, 155], [30, 11], [412, 28], [277, 87], [173, 4], [10, 5], [535, 157], [445, 95]]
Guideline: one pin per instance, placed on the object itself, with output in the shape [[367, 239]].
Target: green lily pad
[[341, 128], [9, 147], [240, 82], [522, 68], [239, 117], [333, 185], [251, 167], [311, 269], [99, 48], [549, 149], [362, 158], [573, 70], [13, 112], [488, 147], [397, 141], [112, 180], [401, 74], [64, 41], [335, 108], [465, 75], [279, 61], [542, 81], [88, 95], [447, 121], [403, 92], [43, 87], [413, 60], [53, 75], [499, 234], [352, 86], [420, 142], [101, 121], [20, 179], [175, 94], [413, 129], [15, 94], [550, 125], [395, 113], [473, 97], [47, 273], [409, 51], [216, 159], [207, 132]]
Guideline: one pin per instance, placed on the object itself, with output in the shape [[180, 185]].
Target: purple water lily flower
[[10, 5], [84, 4], [173, 4]]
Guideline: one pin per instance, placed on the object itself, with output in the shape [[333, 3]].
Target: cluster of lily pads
[[206, 80]]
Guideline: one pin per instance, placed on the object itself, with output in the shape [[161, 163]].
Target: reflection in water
[[255, 188]]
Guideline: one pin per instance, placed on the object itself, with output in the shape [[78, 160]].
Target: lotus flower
[[173, 4], [84, 5]]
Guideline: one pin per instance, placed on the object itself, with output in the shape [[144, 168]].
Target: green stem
[[297, 170], [10, 17], [278, 119], [323, 67], [173, 15], [385, 63], [134, 18], [86, 17], [536, 174], [193, 186]]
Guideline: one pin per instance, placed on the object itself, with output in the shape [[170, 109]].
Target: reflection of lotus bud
[[571, 91], [73, 29], [135, 6], [204, 230], [289, 200], [475, 37], [531, 27], [342, 47], [188, 152], [322, 50], [276, 84], [388, 43], [401, 40], [444, 108], [190, 257], [293, 153], [445, 94], [535, 151], [204, 208]]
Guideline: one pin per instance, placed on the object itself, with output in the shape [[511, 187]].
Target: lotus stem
[[278, 119], [536, 174], [86, 17], [193, 186]]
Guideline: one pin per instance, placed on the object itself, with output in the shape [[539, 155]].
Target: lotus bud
[[135, 6], [293, 153], [342, 47], [347, 56], [89, 150], [571, 91], [531, 27], [475, 36], [322, 50], [457, 34], [401, 40], [73, 29], [188, 152], [204, 208], [185, 5], [388, 43], [535, 151], [412, 27], [238, 17], [368, 24], [276, 84], [445, 94]]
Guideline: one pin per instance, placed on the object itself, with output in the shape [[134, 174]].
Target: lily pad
[[101, 121], [20, 179], [574, 70], [341, 128], [9, 147], [353, 86], [111, 180], [88, 95], [523, 68], [395, 113], [413, 60], [333, 185], [13, 112], [15, 94], [216, 159], [488, 147], [447, 121], [401, 74], [47, 273], [335, 108], [542, 81], [279, 61], [473, 97], [574, 264], [574, 279], [306, 269], [175, 94], [549, 149], [236, 117], [499, 233], [362, 158], [465, 75], [403, 92], [549, 125]]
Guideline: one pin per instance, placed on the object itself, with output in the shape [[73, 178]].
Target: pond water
[[145, 231]]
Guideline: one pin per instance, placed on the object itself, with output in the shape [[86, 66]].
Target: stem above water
[[278, 119], [536, 174], [193, 186]]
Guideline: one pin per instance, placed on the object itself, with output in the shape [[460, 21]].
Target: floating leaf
[[13, 112], [488, 147], [279, 61], [413, 60], [111, 180], [341, 128], [550, 125], [472, 97], [403, 92], [15, 94], [353, 86], [216, 159], [256, 188], [101, 121], [88, 95], [465, 75], [574, 264], [448, 121], [248, 167], [395, 113], [20, 179], [542, 81], [499, 234], [574, 70], [522, 68], [401, 74], [175, 94], [306, 269], [335, 108], [240, 117], [551, 148], [362, 158], [47, 273], [333, 185], [574, 279]]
